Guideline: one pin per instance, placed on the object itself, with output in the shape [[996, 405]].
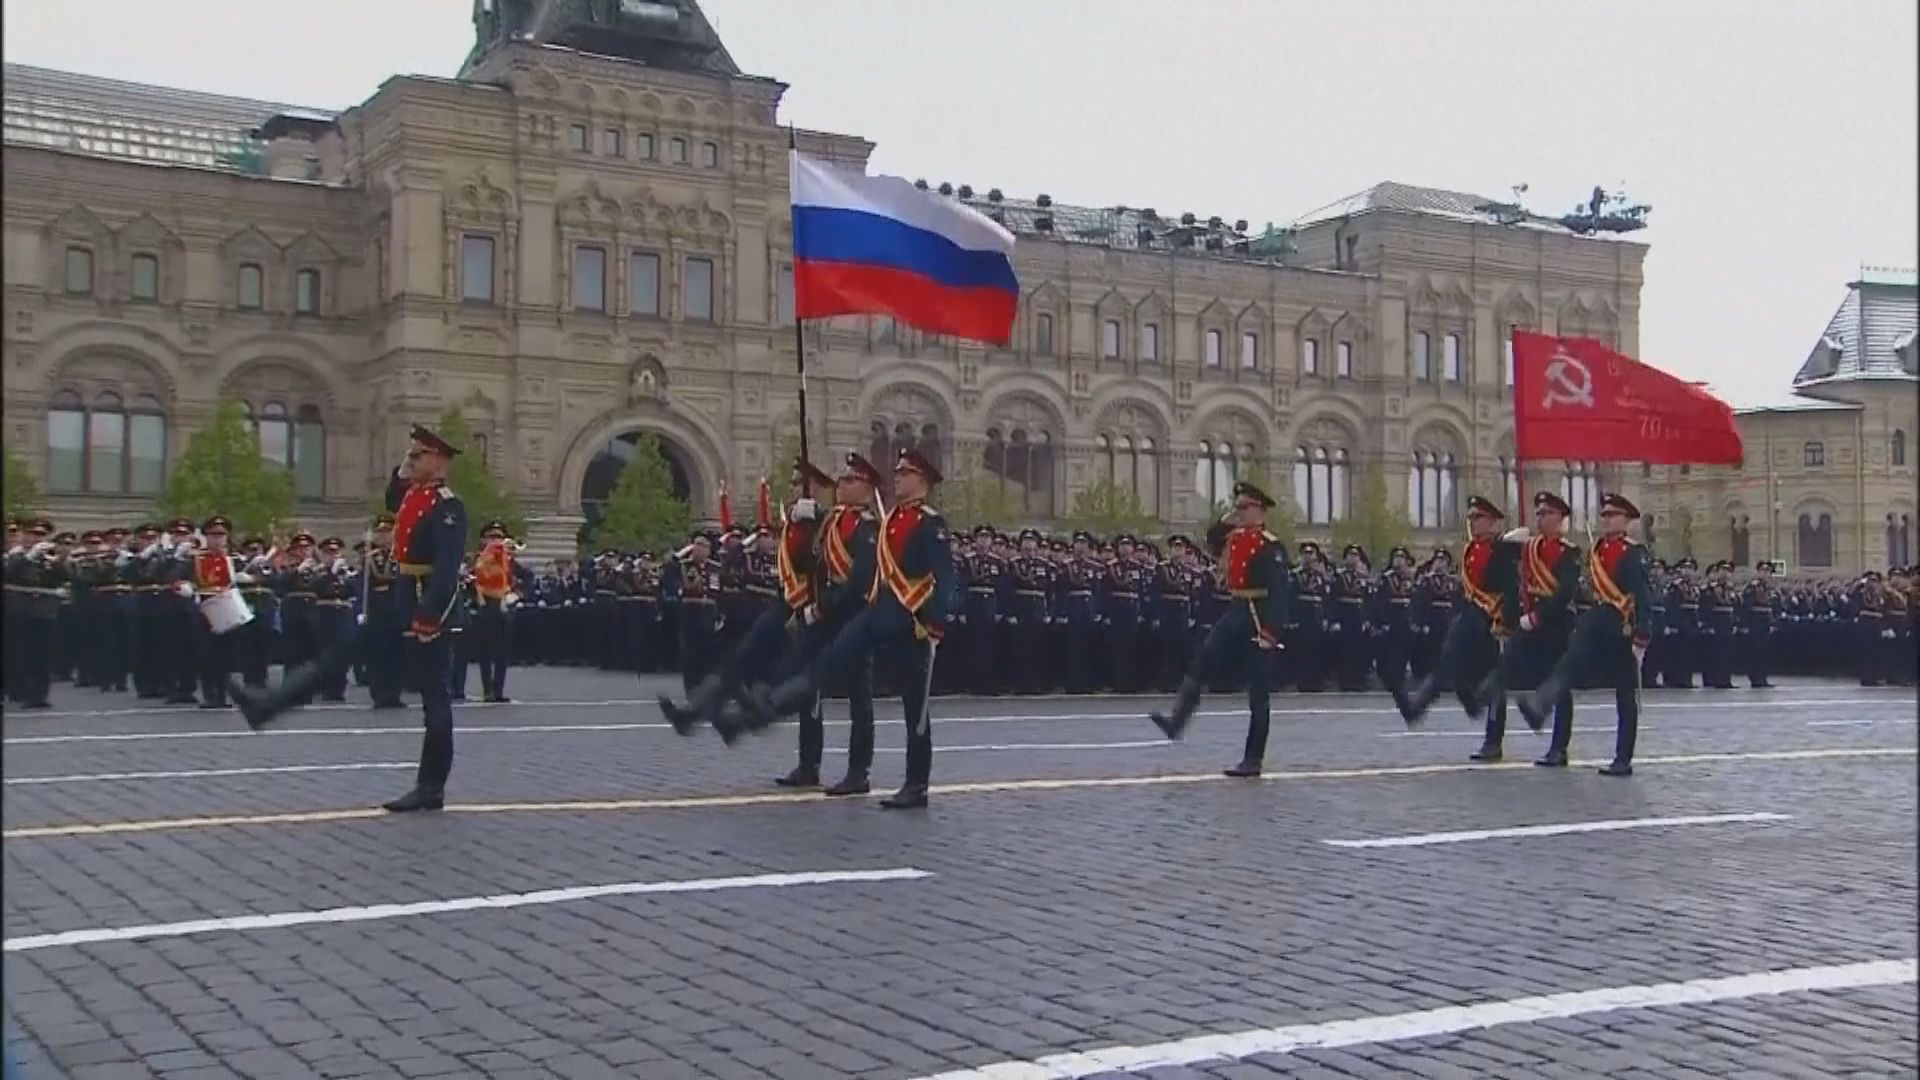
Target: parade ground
[[1083, 899]]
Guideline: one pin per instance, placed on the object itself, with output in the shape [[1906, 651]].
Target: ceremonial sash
[[1608, 591], [795, 586], [912, 593], [1483, 598], [1537, 571], [839, 557]]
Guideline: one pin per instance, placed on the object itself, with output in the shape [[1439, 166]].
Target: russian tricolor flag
[[877, 245]]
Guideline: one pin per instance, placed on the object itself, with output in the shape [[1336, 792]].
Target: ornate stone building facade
[[574, 248], [1828, 485]]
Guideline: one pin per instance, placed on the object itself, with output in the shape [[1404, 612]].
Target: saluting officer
[[908, 603], [1610, 640], [429, 537], [1249, 630]]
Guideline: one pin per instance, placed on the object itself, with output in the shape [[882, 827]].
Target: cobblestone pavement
[[1079, 892]]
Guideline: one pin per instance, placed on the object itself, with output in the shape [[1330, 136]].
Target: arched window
[[1580, 486], [310, 453], [1813, 455], [251, 286], [1322, 483], [1897, 452], [104, 447], [1899, 539], [274, 431], [1814, 541], [1740, 540], [1430, 490], [1450, 359], [1219, 469], [1422, 356]]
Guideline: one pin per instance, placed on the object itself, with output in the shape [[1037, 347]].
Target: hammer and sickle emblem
[[1568, 382]]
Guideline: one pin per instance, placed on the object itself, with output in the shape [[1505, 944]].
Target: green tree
[[222, 472], [21, 490], [1105, 508], [1373, 521], [972, 496], [642, 513], [472, 479]]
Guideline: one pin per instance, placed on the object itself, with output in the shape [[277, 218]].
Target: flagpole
[[799, 325]]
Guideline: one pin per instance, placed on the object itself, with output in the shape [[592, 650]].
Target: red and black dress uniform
[[1605, 640], [908, 603], [213, 574], [1249, 630], [782, 584], [429, 539], [1548, 575], [1470, 650], [844, 561]]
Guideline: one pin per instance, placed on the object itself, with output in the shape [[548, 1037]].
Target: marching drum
[[226, 610]]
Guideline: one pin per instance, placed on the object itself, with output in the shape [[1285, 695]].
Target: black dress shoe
[[417, 799], [851, 784], [1169, 726], [1617, 768], [1553, 759], [394, 704], [1244, 770], [910, 796], [501, 699], [800, 777], [211, 705], [682, 718], [1487, 752]]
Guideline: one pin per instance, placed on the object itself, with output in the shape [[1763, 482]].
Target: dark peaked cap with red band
[[425, 437], [1244, 490], [1616, 501], [1480, 504], [912, 461], [859, 468], [1551, 501]]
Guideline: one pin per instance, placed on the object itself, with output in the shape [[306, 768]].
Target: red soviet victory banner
[[1576, 399]]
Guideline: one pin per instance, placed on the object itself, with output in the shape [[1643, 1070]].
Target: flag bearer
[[1471, 647], [1543, 589]]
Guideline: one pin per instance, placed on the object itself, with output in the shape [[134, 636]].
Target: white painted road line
[[195, 774], [360, 766], [1480, 734], [413, 729], [1862, 722], [1468, 836], [1427, 1023], [377, 912]]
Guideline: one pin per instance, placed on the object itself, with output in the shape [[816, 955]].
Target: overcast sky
[[1775, 141]]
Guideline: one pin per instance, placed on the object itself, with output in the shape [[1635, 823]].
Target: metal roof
[[1872, 335], [107, 117], [1610, 214]]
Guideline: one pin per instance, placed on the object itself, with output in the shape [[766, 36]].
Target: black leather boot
[[1184, 703]]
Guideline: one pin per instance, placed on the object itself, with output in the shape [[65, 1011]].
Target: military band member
[[429, 537], [386, 670], [36, 575], [1470, 649], [333, 623], [490, 642], [699, 580], [213, 574], [1610, 640], [253, 643], [908, 603], [1543, 589], [1249, 631]]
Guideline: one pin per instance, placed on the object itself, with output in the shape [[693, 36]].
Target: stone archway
[[593, 458], [603, 468]]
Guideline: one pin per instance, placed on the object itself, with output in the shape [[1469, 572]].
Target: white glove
[[1528, 622], [810, 614], [804, 510], [183, 588], [1514, 536], [1639, 655], [243, 579]]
